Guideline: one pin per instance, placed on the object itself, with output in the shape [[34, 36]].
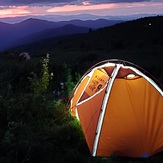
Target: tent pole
[[103, 108]]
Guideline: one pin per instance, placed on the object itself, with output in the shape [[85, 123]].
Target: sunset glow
[[76, 8], [14, 11], [85, 7]]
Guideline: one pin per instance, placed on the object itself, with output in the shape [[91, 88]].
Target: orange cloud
[[85, 7], [86, 3], [5, 12], [110, 8], [14, 11], [114, 9]]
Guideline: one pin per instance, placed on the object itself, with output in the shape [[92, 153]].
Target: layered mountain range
[[32, 30]]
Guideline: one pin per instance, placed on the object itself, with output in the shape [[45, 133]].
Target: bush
[[35, 128]]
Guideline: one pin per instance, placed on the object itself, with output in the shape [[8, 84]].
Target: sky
[[18, 8]]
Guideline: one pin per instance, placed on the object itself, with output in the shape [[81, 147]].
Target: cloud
[[14, 11], [117, 1], [109, 8], [69, 7], [32, 2], [48, 2], [81, 8]]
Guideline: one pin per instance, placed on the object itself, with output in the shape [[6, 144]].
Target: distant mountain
[[5, 32], [49, 33], [138, 40], [12, 32], [5, 25], [100, 23], [57, 18]]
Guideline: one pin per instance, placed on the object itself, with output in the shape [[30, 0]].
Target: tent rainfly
[[120, 110]]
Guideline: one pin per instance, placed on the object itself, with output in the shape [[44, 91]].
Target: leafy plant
[[71, 81], [39, 86]]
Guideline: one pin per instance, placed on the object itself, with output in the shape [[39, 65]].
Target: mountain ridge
[[12, 32], [137, 41], [50, 33], [57, 18]]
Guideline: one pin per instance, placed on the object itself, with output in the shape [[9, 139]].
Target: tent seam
[[103, 108]]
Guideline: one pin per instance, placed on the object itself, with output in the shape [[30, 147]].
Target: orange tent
[[120, 110]]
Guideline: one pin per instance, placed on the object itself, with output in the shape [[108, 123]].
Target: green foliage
[[34, 128], [71, 81], [39, 131], [134, 41], [39, 86]]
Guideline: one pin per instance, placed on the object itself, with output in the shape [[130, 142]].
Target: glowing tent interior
[[120, 110]]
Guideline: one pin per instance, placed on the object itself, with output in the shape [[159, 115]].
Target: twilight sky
[[14, 8]]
